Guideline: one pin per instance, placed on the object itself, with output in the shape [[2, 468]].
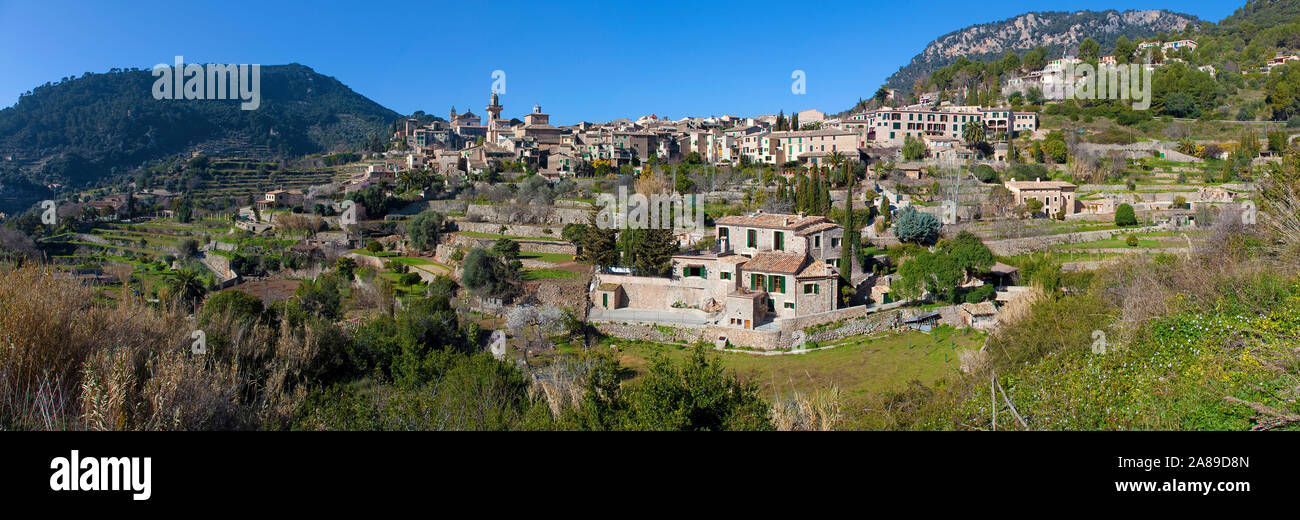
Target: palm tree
[[188, 287], [836, 159], [406, 180]]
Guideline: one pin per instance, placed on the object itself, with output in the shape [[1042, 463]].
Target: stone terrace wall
[[517, 230], [1020, 246], [757, 339], [570, 293], [868, 324], [527, 246], [518, 214], [803, 322], [659, 334]]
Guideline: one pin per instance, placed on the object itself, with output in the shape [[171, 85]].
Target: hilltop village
[[775, 268], [493, 265]]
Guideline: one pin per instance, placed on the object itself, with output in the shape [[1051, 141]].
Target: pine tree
[[654, 252], [600, 246]]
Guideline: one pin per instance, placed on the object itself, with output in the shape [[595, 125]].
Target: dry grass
[[817, 411], [1018, 307], [68, 363]]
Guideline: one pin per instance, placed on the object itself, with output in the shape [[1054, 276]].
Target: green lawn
[[860, 366], [1117, 243], [548, 274], [555, 258]]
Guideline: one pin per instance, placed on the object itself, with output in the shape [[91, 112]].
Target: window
[[817, 241], [835, 242], [752, 238], [789, 305], [778, 240], [757, 282], [776, 284], [724, 275], [811, 288], [695, 271]]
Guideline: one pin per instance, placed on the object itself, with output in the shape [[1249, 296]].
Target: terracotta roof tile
[[817, 270], [787, 263], [772, 221]]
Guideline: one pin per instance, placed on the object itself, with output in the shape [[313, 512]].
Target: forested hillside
[[1053, 31], [1223, 78], [79, 130]]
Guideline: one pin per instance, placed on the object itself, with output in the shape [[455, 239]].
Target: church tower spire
[[494, 113]]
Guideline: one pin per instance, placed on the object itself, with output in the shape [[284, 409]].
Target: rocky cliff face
[[1058, 31]]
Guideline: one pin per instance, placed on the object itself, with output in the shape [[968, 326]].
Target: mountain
[[1057, 31], [1264, 13], [79, 130]]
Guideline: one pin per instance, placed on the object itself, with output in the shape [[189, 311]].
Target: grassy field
[[548, 274], [861, 367], [554, 258], [1116, 243]]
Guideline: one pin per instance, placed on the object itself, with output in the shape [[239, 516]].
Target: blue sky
[[581, 60]]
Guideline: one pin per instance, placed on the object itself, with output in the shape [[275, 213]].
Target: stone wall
[[1020, 246], [568, 293], [868, 324], [658, 334], [749, 338], [448, 206], [519, 214], [654, 293], [527, 246], [516, 230]]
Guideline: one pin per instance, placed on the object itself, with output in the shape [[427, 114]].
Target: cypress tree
[[850, 236]]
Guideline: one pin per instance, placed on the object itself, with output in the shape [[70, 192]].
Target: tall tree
[[850, 236], [654, 251]]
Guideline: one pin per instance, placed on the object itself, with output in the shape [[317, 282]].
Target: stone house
[[980, 316], [1056, 196], [780, 268]]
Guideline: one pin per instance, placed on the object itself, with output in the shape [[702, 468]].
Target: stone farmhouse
[[767, 267], [1056, 196]]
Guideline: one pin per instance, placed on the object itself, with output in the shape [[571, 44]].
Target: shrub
[[425, 230], [1131, 241], [1124, 215], [982, 293], [916, 227], [396, 267], [985, 173]]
